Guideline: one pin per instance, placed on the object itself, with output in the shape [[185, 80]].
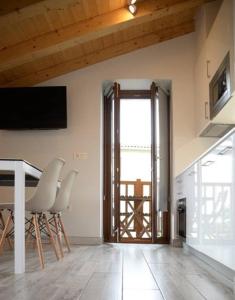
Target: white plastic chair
[[42, 200], [61, 204]]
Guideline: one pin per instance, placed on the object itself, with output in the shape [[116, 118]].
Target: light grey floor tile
[[210, 287], [103, 286], [142, 295], [174, 285], [111, 272], [136, 273]]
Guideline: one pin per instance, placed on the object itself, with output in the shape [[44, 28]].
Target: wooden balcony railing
[[135, 210]]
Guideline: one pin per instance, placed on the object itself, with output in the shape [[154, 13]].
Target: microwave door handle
[[206, 110], [208, 69]]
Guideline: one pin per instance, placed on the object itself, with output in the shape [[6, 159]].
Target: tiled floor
[[110, 272]]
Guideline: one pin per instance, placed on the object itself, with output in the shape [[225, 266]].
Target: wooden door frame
[[107, 164], [117, 158], [153, 92], [127, 94], [106, 170], [165, 239]]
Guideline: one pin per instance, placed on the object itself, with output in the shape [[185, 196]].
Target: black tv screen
[[33, 108]]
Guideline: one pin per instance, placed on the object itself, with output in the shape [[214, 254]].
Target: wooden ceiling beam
[[14, 6], [90, 29], [17, 11], [92, 46], [99, 56]]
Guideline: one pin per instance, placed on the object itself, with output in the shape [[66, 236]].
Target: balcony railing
[[135, 210]]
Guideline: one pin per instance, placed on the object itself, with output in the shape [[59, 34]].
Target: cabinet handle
[[191, 173], [207, 163], [208, 69], [225, 150], [206, 110]]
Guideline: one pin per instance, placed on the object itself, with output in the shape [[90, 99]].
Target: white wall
[[173, 60]]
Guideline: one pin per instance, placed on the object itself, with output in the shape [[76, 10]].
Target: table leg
[[19, 218]]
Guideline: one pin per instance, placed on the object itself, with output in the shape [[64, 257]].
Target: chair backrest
[[45, 194], [63, 198]]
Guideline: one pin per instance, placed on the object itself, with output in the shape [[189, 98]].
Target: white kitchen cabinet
[[213, 50], [209, 188], [217, 181], [220, 40], [202, 91], [179, 187], [191, 177]]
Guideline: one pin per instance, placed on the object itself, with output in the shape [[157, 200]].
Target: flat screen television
[[33, 108]]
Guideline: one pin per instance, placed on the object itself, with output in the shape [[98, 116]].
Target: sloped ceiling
[[44, 39]]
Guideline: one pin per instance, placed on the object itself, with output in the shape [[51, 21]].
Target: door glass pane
[[135, 169]]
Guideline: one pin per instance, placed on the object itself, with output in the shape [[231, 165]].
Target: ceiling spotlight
[[132, 9], [131, 2]]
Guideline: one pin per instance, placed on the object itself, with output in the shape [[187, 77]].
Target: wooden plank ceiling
[[44, 39]]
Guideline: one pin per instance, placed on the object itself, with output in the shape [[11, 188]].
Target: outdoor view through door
[[136, 168]]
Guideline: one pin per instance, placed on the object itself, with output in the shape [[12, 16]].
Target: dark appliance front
[[181, 208], [220, 87]]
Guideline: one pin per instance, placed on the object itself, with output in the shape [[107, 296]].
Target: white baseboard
[[215, 268], [78, 240]]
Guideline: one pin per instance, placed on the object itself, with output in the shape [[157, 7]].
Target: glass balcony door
[[135, 173], [135, 170]]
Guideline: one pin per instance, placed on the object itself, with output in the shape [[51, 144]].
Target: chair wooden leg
[[9, 238], [4, 233], [2, 221], [39, 241], [58, 235], [64, 233], [51, 236], [29, 232], [3, 225], [9, 243]]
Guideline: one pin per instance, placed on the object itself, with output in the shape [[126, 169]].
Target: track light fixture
[[132, 7], [131, 2]]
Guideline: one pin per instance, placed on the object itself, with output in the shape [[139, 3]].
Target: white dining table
[[20, 169]]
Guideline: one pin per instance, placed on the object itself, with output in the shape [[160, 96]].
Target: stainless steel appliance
[[220, 87], [181, 208]]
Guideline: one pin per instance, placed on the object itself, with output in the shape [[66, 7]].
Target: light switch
[[80, 155]]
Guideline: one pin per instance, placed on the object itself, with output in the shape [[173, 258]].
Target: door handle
[[208, 68], [206, 110]]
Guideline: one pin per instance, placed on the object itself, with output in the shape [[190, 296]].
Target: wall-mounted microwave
[[220, 87]]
